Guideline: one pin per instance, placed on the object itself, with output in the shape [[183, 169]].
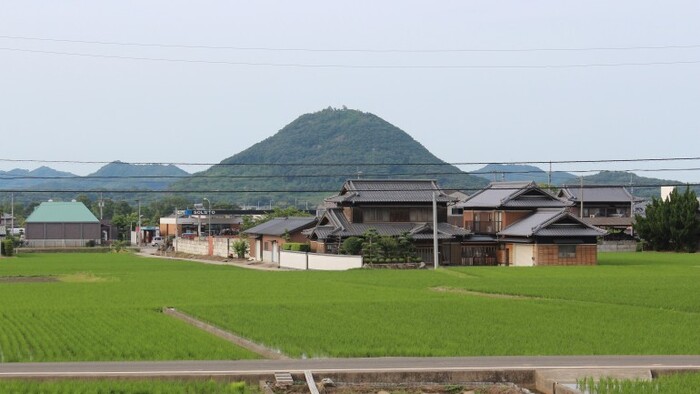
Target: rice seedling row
[[630, 304]]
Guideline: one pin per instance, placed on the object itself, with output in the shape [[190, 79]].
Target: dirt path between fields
[[215, 260], [233, 338]]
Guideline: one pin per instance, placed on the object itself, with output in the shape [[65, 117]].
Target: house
[[391, 207], [519, 223], [61, 224], [608, 207], [271, 235], [550, 236]]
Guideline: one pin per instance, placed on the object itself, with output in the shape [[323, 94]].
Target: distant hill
[[122, 176], [113, 176], [625, 178], [24, 179], [317, 152], [513, 172]]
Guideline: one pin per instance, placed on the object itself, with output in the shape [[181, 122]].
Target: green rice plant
[[83, 307], [124, 387], [681, 383]]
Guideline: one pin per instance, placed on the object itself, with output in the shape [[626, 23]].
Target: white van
[[157, 241]]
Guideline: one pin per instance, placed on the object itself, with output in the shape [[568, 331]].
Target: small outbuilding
[[61, 224], [270, 236]]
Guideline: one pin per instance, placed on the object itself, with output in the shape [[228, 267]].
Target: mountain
[[113, 176], [313, 155], [642, 186], [24, 179], [516, 172], [122, 176]]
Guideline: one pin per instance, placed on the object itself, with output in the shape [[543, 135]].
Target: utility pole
[[101, 204], [138, 235], [12, 214], [175, 240], [208, 216], [549, 177], [435, 232], [581, 192]]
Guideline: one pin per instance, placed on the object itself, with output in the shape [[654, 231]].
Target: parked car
[[157, 241]]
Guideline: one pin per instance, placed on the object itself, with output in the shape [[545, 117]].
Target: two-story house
[[391, 207], [518, 223], [607, 207]]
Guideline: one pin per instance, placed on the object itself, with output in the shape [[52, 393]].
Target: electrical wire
[[347, 175], [314, 164], [356, 50], [267, 191], [360, 66]]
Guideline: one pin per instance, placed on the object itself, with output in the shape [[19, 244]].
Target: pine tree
[[671, 224]]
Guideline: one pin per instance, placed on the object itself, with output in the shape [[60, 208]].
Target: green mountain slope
[[121, 176], [311, 157], [519, 172], [641, 186]]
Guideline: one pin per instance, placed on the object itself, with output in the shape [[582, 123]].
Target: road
[[389, 364]]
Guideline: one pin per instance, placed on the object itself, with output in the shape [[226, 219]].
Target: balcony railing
[[483, 226]]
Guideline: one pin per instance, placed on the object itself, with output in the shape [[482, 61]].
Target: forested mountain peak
[[325, 148]]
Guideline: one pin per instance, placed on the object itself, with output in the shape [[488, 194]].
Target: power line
[[360, 66], [313, 164], [357, 50], [238, 191], [347, 175]]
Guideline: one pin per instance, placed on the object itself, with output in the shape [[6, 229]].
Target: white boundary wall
[[192, 246], [294, 260], [222, 246], [316, 261]]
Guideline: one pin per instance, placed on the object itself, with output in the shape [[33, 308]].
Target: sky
[[473, 81]]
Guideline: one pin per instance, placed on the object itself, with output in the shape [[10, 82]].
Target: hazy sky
[[482, 103]]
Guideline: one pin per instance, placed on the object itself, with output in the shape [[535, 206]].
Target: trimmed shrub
[[287, 246], [297, 247], [352, 245], [8, 247]]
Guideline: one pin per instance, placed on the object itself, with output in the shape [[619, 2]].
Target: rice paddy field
[[105, 386], [93, 307]]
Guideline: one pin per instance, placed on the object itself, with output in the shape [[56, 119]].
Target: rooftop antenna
[[359, 173]]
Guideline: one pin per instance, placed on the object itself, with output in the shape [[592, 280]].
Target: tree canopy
[[671, 224]]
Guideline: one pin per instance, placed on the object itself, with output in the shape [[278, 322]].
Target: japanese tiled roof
[[388, 190], [546, 222], [279, 226], [513, 195], [597, 194], [336, 225]]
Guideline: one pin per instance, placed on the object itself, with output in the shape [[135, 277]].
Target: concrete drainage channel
[[516, 381]]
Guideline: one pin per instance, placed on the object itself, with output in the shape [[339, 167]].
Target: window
[[373, 215], [266, 246], [567, 251], [400, 215], [421, 215]]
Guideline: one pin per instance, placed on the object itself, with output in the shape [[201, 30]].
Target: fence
[[213, 246], [318, 261], [617, 246]]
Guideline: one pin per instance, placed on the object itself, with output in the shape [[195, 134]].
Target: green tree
[[388, 246], [370, 244], [407, 248], [351, 245], [671, 224], [241, 247]]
